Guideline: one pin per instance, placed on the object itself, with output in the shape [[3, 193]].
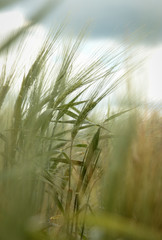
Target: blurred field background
[[80, 149]]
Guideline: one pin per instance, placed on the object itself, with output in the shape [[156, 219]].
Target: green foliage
[[62, 171], [42, 173]]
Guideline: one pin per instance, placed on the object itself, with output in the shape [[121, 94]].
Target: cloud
[[10, 20], [114, 18]]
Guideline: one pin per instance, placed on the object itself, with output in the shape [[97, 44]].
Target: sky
[[109, 21]]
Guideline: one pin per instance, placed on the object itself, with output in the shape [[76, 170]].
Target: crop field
[[69, 169]]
